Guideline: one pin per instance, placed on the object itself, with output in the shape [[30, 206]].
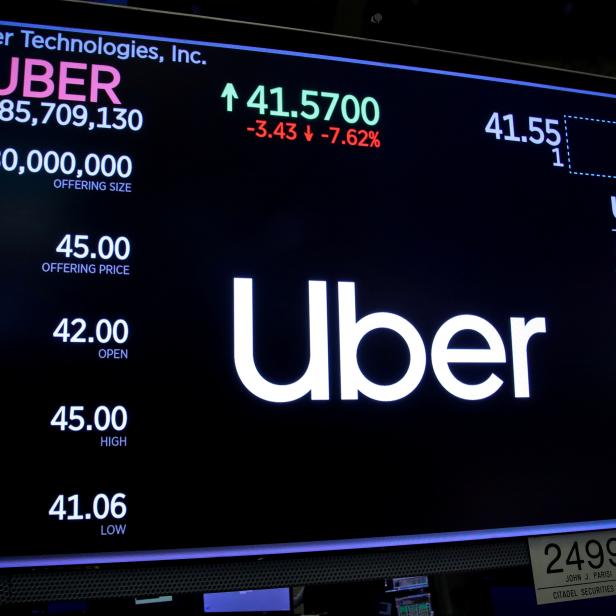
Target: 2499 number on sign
[[573, 566]]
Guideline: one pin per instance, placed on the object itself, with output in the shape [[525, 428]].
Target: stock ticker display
[[258, 297]]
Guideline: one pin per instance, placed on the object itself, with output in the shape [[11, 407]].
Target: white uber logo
[[353, 381]]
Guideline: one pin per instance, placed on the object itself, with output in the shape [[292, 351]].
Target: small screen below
[[270, 600], [406, 583]]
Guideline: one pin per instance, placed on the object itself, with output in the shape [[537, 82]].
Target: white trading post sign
[[573, 566]]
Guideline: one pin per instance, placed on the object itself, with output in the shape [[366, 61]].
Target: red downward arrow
[[308, 133]]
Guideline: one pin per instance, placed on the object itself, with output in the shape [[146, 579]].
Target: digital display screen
[[247, 287]]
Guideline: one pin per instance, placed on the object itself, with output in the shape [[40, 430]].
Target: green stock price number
[[310, 105]]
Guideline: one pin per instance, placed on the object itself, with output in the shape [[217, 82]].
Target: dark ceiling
[[576, 34]]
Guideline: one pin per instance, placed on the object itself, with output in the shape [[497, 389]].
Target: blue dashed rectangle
[[590, 146]]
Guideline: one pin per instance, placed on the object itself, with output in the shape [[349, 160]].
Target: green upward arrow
[[229, 93]]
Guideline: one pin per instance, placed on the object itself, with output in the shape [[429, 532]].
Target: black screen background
[[441, 220]]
